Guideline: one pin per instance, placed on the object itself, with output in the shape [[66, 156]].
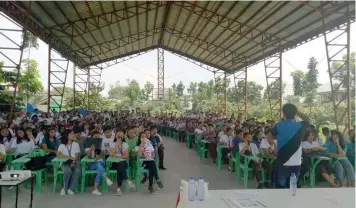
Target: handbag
[[38, 160]]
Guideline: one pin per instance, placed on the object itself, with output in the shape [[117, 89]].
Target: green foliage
[[30, 81], [306, 84], [30, 41], [254, 91], [148, 89], [179, 89]]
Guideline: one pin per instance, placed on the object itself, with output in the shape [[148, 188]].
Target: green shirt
[[131, 142]]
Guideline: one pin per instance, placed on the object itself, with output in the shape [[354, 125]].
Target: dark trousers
[[161, 155], [152, 171], [283, 173], [2, 166], [120, 168], [181, 136], [257, 172]]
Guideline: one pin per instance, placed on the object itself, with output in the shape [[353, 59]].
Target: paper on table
[[247, 192], [247, 203]]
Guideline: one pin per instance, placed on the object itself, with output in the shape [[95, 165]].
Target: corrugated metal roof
[[225, 35]]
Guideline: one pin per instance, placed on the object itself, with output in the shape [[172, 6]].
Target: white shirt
[[252, 148], [69, 150], [307, 145], [24, 147], [226, 139], [296, 158], [106, 144], [119, 151], [198, 131], [2, 150], [148, 149], [266, 145]]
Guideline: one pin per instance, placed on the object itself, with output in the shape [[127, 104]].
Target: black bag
[[36, 163]]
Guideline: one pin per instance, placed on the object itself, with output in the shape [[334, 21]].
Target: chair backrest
[[37, 153]]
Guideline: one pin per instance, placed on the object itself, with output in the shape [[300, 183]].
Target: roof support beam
[[11, 10], [218, 51], [121, 55], [164, 22], [120, 42], [96, 22]]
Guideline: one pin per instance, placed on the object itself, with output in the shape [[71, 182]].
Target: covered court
[[222, 37]]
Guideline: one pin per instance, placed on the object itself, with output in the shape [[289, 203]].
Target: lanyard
[[70, 151]]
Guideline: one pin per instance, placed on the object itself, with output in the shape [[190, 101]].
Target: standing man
[[160, 146], [289, 134]]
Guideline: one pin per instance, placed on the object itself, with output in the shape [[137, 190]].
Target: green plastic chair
[[86, 172], [315, 160], [188, 139], [219, 150], [8, 160], [113, 173], [38, 173], [58, 173], [243, 166], [140, 171], [203, 150]]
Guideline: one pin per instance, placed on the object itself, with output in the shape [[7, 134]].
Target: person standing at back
[[289, 134]]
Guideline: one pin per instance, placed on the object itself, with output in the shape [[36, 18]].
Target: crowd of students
[[64, 135], [280, 148]]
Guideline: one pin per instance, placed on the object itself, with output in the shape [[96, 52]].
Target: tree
[[306, 84], [298, 82], [133, 92], [29, 82], [341, 74], [116, 91], [180, 89], [30, 41], [148, 89], [254, 91], [192, 88]]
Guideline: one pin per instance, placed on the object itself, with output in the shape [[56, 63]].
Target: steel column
[[273, 70], [80, 87], [337, 46], [94, 81], [11, 42], [220, 79], [57, 76], [160, 77], [240, 80]]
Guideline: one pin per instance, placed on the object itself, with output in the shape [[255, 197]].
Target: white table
[[278, 198], [16, 183]]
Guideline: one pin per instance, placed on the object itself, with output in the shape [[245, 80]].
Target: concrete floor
[[180, 162]]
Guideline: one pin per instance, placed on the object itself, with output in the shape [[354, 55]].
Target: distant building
[[325, 95]]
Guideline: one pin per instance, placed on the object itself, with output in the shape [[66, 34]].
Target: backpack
[[38, 160]]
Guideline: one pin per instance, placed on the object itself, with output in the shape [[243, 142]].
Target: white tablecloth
[[278, 198]]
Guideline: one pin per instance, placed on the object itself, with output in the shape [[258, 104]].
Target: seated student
[[120, 149], [269, 148], [145, 149], [334, 148], [71, 168], [6, 139], [50, 144], [249, 148], [98, 165], [310, 146], [2, 157], [225, 140], [107, 139], [22, 144], [350, 150], [210, 136], [234, 147], [258, 138]]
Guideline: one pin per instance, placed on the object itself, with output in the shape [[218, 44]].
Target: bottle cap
[[201, 177], [191, 177]]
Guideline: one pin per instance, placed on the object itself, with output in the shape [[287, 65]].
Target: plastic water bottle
[[293, 184], [201, 189], [191, 189]]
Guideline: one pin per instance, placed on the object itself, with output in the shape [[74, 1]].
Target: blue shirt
[[154, 141], [235, 142]]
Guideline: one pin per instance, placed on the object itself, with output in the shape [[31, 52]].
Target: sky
[[144, 68]]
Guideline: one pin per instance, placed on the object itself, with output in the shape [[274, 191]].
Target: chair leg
[[245, 178], [83, 183], [55, 182]]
